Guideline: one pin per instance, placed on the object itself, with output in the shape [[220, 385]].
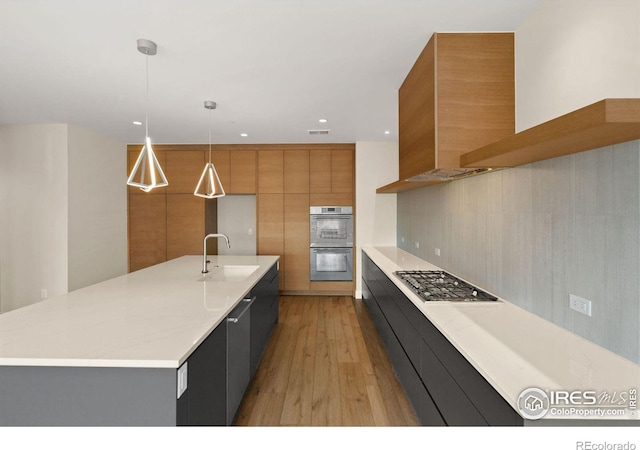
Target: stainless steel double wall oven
[[331, 243]]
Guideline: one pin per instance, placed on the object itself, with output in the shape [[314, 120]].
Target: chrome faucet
[[204, 252]]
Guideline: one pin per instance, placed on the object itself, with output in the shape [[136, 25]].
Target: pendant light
[[147, 173], [209, 185]]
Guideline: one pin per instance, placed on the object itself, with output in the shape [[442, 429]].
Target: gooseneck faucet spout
[[204, 251]]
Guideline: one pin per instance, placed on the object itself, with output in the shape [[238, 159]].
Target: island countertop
[[155, 317]]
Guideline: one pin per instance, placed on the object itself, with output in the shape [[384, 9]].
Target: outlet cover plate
[[579, 304]]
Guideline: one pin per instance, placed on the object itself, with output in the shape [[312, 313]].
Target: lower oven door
[[331, 264]]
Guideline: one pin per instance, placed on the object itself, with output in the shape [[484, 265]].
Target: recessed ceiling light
[[136, 122], [244, 134], [323, 120], [387, 132]]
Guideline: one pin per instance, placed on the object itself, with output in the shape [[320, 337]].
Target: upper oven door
[[331, 230]]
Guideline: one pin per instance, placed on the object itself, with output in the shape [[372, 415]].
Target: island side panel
[[87, 396]]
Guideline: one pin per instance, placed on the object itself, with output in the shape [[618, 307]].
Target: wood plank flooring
[[325, 365]]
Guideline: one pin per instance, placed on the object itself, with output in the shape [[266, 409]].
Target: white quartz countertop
[[155, 317], [515, 349]]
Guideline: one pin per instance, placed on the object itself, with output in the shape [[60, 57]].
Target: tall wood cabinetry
[[291, 178], [287, 179]]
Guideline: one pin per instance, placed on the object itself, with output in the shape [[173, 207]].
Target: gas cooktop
[[437, 285]]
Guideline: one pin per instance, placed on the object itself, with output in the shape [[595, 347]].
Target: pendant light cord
[[209, 136], [147, 109]]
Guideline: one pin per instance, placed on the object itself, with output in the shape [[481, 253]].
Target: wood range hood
[[457, 115]]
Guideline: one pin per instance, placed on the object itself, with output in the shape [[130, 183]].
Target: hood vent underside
[[447, 174]]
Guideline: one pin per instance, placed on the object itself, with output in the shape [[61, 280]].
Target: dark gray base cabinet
[[443, 387], [221, 368]]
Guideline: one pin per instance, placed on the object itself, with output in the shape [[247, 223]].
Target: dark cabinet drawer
[[442, 385], [484, 397]]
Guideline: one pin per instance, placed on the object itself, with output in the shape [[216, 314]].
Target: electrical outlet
[[437, 251], [402, 239], [417, 244], [582, 305], [250, 232], [43, 294]]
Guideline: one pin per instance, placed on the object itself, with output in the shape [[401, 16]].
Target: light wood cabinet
[[221, 160], [147, 230], [458, 96], [296, 172], [320, 171], [185, 225], [271, 229], [296, 242], [183, 169], [332, 176], [242, 172], [270, 171]]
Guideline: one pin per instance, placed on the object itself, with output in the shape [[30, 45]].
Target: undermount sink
[[229, 272]]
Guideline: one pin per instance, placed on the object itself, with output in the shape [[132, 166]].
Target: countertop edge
[[390, 259]]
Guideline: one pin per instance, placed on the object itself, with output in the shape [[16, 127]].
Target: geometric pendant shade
[[147, 173], [209, 185]]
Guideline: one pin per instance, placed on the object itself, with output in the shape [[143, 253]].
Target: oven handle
[[332, 250]]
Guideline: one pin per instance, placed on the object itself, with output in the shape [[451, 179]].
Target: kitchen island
[[469, 363], [114, 353]]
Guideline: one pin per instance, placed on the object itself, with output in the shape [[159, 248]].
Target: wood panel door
[[271, 228], [270, 171], [342, 171], [296, 172], [183, 169], [147, 230], [296, 242], [185, 225], [242, 168], [221, 160], [320, 171]]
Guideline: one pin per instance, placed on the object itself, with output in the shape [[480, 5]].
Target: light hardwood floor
[[325, 365]]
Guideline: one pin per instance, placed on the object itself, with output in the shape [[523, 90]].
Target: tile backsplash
[[536, 233]]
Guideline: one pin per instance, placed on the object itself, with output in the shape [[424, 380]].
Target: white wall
[[63, 206], [376, 165], [33, 223], [97, 208], [571, 53]]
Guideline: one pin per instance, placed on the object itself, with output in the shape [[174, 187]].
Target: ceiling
[[274, 67]]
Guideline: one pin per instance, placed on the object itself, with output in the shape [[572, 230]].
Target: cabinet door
[[296, 242], [270, 171], [147, 230], [206, 401], [320, 171], [296, 172], [271, 228], [342, 167], [183, 170], [221, 160], [185, 225], [264, 314], [242, 168]]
